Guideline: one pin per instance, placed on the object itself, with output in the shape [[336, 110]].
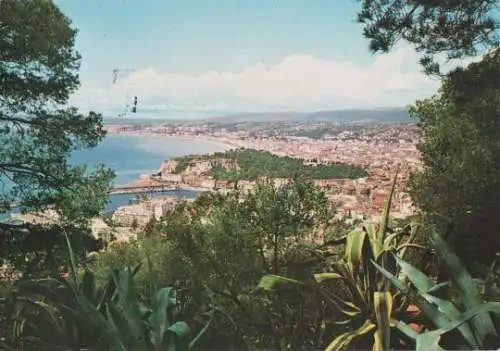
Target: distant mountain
[[259, 117], [388, 115]]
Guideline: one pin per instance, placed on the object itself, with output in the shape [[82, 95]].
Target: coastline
[[222, 142]]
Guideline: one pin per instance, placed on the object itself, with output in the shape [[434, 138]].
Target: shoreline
[[225, 143]]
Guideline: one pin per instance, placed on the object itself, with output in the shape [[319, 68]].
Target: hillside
[[249, 164]]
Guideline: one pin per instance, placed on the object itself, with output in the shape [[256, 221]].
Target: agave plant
[[369, 303], [76, 314], [468, 314]]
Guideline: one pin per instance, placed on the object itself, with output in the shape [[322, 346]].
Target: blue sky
[[236, 55]]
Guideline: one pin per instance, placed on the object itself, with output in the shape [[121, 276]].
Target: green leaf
[[438, 288], [72, 260], [159, 318], [421, 281], [119, 323], [354, 249], [384, 218], [128, 303], [198, 336], [469, 294], [389, 239], [342, 341], [272, 282], [437, 317], [180, 331], [428, 341], [88, 286], [453, 314], [405, 329], [321, 277], [382, 303]]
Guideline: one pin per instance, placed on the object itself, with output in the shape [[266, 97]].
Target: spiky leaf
[[382, 304]]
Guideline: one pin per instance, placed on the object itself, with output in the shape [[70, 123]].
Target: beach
[[229, 144]]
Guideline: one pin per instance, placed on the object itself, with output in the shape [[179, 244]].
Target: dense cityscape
[[380, 149]]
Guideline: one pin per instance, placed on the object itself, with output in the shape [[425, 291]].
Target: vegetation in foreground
[[368, 290], [249, 164]]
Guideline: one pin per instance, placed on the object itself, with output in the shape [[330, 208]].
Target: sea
[[130, 156]]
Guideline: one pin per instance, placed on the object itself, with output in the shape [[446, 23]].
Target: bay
[[133, 155]]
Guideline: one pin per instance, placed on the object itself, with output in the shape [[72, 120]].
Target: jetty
[[142, 186]]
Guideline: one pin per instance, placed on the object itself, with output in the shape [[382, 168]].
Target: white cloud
[[298, 82]]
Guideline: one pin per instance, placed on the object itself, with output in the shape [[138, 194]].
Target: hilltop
[[249, 164]]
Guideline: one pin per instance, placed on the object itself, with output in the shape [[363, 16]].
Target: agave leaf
[[348, 308], [106, 292], [159, 318], [384, 218], [180, 332], [180, 329], [421, 281], [88, 287], [405, 329], [321, 277], [272, 282], [72, 259], [359, 252], [438, 318], [428, 341], [415, 246], [342, 341], [198, 336], [96, 319], [354, 249], [383, 310], [451, 311], [483, 308], [118, 322], [482, 323], [414, 230], [347, 321], [129, 304], [389, 239], [152, 282], [438, 288]]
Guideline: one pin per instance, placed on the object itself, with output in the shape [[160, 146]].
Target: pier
[[143, 190], [142, 186]]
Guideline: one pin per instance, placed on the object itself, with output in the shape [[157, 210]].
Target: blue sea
[[130, 156]]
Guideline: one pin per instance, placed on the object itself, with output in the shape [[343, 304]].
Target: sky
[[221, 56]]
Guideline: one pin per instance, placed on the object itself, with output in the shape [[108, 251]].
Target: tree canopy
[[38, 130], [461, 184], [220, 245], [456, 28], [252, 164]]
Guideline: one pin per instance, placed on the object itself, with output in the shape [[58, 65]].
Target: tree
[[38, 72], [456, 28], [284, 217], [223, 244], [460, 185], [458, 188]]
